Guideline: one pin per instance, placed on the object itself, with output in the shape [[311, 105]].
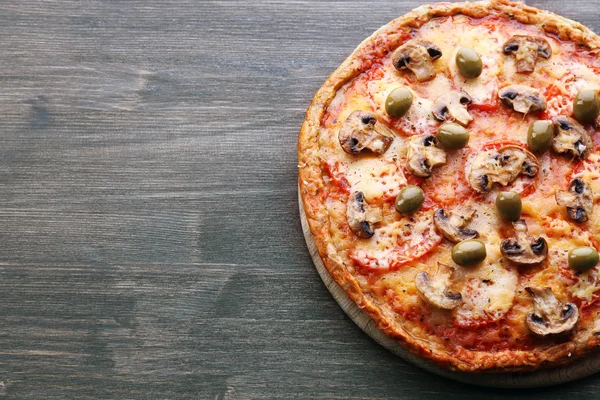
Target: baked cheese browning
[[578, 200], [402, 264], [524, 249], [526, 50], [501, 166]]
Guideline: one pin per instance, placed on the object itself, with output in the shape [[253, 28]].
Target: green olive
[[409, 200], [452, 136], [398, 102], [468, 62], [540, 136], [469, 252], [583, 258], [586, 106], [508, 205]]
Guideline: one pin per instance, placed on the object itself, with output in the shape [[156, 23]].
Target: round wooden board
[[547, 377]]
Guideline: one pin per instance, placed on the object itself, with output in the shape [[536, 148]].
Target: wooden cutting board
[[584, 367]]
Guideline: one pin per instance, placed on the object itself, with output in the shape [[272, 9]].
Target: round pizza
[[449, 171]]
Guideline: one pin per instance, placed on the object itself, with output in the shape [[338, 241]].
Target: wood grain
[[151, 245]]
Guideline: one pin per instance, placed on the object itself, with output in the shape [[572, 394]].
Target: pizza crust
[[312, 186]]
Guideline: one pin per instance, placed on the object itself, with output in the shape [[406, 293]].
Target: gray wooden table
[[150, 244]]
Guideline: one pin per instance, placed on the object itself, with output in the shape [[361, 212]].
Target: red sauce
[[401, 255]]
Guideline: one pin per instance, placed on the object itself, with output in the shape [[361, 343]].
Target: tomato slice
[[584, 285], [335, 173], [408, 247], [488, 295], [524, 185]]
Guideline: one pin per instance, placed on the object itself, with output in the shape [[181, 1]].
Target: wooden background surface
[[150, 244]]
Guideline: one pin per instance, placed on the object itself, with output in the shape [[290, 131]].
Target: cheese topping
[[488, 294], [404, 245]]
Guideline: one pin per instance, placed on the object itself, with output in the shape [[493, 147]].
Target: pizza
[[449, 171]]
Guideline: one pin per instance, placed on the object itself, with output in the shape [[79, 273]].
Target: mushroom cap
[[501, 166], [523, 99], [361, 131], [452, 106], [418, 56], [422, 155], [550, 317], [360, 216], [526, 50], [524, 249], [436, 293], [579, 200], [452, 228], [571, 137]]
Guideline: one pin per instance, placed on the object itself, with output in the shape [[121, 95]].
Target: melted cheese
[[494, 288], [483, 89], [488, 294]]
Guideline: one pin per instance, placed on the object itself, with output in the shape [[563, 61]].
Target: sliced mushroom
[[453, 107], [437, 293], [526, 50], [522, 98], [571, 137], [452, 228], [579, 200], [501, 166], [550, 316], [362, 131], [418, 56], [524, 249], [422, 155], [361, 217]]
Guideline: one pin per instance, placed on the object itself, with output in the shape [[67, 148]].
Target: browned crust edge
[[311, 183]]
